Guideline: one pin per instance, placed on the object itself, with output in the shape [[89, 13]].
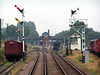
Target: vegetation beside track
[[64, 52], [20, 65], [92, 67], [2, 56], [30, 47]]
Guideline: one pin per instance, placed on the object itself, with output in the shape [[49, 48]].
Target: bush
[[2, 54], [64, 52]]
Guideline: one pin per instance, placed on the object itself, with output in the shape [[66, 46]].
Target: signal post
[[78, 24], [22, 23]]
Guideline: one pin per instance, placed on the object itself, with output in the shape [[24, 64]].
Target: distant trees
[[30, 30], [79, 22], [11, 32], [90, 34]]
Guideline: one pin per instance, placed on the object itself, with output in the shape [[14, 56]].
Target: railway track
[[66, 67], [40, 65], [2, 64], [6, 68]]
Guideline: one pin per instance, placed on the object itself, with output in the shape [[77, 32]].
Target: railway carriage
[[95, 46], [13, 49], [92, 46]]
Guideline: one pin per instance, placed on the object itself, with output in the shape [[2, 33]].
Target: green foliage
[[93, 72], [90, 34], [1, 51], [27, 31], [79, 23], [11, 31], [79, 58], [2, 54], [7, 63], [30, 31], [64, 52], [91, 61], [29, 46]]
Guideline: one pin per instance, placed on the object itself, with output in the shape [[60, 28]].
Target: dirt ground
[[53, 68]]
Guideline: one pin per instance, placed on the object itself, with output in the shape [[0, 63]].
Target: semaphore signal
[[74, 11], [19, 9], [21, 22], [17, 31]]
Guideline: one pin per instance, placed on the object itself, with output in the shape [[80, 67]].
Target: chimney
[[48, 32]]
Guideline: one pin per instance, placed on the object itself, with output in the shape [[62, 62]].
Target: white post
[[23, 36], [23, 31], [83, 39]]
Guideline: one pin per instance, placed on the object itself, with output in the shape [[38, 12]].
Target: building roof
[[75, 35]]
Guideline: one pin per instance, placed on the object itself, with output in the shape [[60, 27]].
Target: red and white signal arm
[[17, 31]]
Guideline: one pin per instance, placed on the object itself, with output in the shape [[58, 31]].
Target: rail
[[62, 65], [71, 65], [6, 68], [44, 63], [36, 60]]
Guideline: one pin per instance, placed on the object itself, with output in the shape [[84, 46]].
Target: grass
[[91, 61], [29, 47], [64, 52], [19, 67], [2, 56], [92, 67], [8, 63]]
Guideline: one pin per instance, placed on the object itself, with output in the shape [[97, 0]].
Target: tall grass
[[29, 47], [19, 67], [64, 52], [2, 56], [94, 62]]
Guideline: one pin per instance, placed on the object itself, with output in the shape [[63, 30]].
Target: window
[[74, 41], [75, 35]]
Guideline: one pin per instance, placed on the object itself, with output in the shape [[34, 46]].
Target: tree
[[30, 29], [11, 32], [79, 22], [90, 34], [27, 31]]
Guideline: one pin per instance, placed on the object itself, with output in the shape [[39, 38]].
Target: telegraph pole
[[0, 33], [7, 31]]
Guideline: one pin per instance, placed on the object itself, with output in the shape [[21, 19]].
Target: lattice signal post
[[78, 24], [77, 28]]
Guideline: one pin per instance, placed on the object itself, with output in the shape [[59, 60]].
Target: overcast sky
[[51, 14]]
